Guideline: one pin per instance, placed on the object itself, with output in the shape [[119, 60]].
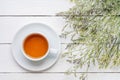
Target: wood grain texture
[[57, 76], [33, 7], [35, 76], [9, 26]]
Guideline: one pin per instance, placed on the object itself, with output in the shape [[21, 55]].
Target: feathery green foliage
[[95, 33]]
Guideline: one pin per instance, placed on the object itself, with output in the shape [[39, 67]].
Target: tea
[[35, 46]]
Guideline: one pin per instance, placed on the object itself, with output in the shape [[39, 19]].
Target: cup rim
[[27, 56]]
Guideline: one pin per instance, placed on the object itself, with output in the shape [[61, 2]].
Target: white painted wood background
[[14, 14]]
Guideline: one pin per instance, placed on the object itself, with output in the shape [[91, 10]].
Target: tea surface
[[35, 46]]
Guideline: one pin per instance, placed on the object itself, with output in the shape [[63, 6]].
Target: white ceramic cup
[[50, 50]]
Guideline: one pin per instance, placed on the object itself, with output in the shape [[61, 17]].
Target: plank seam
[[57, 15], [54, 72]]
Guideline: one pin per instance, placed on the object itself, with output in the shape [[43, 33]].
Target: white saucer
[[44, 64]]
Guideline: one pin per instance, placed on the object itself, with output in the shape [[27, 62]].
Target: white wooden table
[[16, 13]]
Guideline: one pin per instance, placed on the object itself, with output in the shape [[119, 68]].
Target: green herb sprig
[[95, 33]]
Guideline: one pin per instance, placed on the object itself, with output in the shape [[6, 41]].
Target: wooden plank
[[102, 76], [6, 60], [10, 25], [36, 76], [33, 7], [58, 76]]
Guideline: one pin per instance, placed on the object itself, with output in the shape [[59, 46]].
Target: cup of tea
[[36, 47]]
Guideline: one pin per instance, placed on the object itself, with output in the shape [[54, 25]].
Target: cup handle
[[53, 51]]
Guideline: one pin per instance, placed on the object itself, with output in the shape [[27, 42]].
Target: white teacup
[[49, 50]]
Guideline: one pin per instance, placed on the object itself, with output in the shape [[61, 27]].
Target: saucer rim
[[33, 70]]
